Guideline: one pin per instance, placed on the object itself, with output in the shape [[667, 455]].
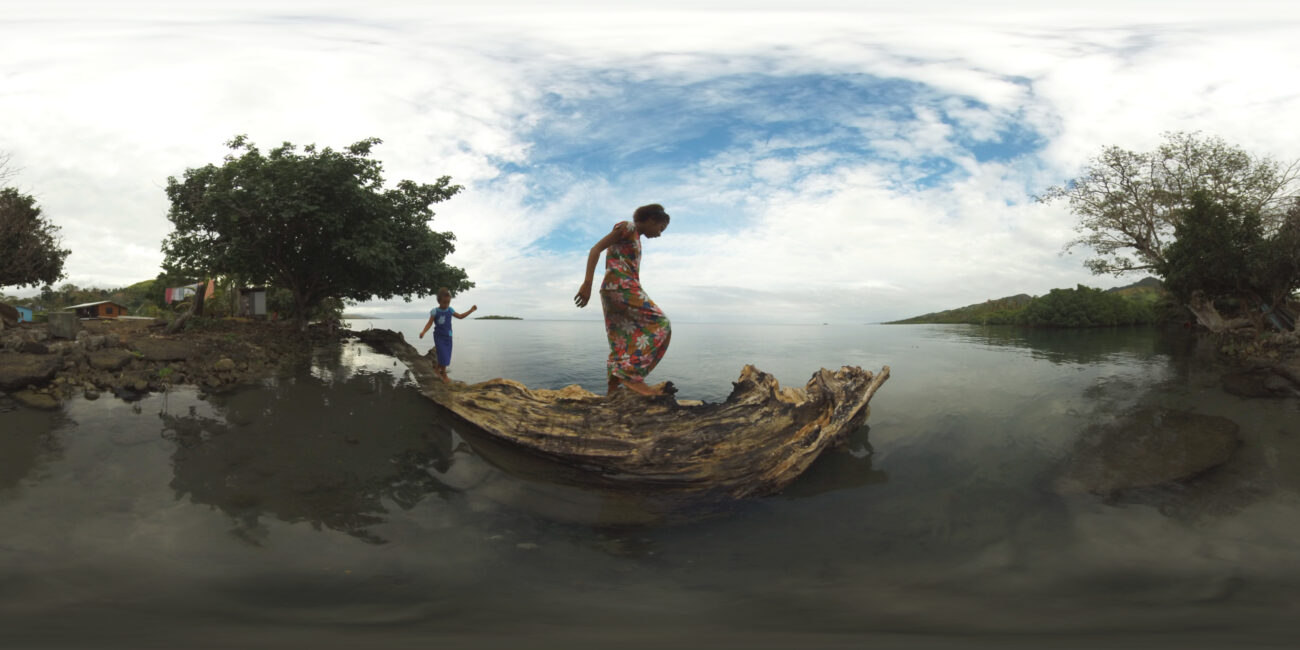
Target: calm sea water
[[336, 507]]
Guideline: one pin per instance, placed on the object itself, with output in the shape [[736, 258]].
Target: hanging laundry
[[177, 294]]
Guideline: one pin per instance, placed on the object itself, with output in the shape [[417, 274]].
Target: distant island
[[497, 318], [1140, 303]]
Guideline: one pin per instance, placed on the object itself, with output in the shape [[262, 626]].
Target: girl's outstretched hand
[[583, 296]]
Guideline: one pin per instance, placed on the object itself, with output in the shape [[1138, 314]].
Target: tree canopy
[[1213, 220], [29, 245], [1223, 251], [1084, 307], [317, 222], [1129, 203]]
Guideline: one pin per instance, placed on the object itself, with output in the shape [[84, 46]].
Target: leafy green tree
[[1130, 204], [1223, 252], [29, 245], [1281, 264], [316, 222], [1217, 250], [1084, 307]]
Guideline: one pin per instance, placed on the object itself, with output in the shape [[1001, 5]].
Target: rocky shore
[[1263, 366], [131, 358]]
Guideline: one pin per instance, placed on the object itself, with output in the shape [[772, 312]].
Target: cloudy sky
[[823, 160]]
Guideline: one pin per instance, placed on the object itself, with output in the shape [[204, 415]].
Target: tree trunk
[[179, 321], [199, 300], [299, 310], [754, 443], [1210, 318]]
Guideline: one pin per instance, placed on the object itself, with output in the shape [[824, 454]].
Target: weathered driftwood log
[[1210, 318], [179, 321], [754, 443]]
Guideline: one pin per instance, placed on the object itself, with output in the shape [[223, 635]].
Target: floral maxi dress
[[638, 330]]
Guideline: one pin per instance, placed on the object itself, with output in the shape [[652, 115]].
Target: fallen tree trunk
[[1209, 317], [754, 443], [179, 322]]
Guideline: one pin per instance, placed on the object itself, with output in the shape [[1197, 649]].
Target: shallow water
[[335, 506]]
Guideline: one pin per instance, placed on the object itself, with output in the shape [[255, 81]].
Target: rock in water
[[1260, 382], [33, 399], [1149, 447]]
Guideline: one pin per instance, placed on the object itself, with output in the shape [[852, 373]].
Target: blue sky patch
[[633, 134]]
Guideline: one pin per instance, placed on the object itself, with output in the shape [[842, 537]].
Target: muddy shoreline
[[129, 359]]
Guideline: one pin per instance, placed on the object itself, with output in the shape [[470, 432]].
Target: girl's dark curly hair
[[654, 211]]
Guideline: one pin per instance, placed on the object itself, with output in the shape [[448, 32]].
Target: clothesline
[[175, 294]]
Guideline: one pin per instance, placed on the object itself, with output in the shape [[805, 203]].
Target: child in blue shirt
[[440, 320]]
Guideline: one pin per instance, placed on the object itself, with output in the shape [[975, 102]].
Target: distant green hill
[[973, 314], [1147, 290], [494, 317], [1137, 303]]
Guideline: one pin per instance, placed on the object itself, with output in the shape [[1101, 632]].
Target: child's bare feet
[[640, 388], [613, 385]]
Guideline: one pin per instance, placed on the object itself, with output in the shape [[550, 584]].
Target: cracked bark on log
[[754, 443], [1210, 318]]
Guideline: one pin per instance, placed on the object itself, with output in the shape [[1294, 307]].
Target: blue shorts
[[443, 345]]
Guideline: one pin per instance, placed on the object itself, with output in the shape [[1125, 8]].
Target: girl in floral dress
[[637, 329]]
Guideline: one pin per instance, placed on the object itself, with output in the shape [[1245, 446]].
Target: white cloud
[[102, 101]]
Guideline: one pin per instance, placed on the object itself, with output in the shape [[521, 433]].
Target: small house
[[101, 309], [252, 302], [24, 314]]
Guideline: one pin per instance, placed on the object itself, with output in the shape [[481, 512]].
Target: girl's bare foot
[[640, 388], [613, 385]]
